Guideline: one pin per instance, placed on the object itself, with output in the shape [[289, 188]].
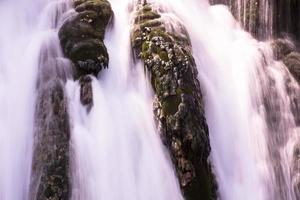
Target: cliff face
[[179, 112]]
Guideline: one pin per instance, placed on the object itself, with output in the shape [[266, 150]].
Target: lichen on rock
[[82, 36], [178, 105]]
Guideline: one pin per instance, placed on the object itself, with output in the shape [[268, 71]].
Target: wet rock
[[82, 36], [86, 92], [281, 48], [50, 165], [296, 170], [178, 105], [292, 61]]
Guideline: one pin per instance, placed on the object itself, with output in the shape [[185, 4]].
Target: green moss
[[164, 56], [145, 47], [170, 105]]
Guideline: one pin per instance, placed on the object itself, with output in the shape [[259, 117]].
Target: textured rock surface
[[50, 162], [178, 101], [292, 61], [50, 177], [82, 38]]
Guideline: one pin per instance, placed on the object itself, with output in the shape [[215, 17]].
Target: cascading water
[[248, 105], [116, 152], [30, 57]]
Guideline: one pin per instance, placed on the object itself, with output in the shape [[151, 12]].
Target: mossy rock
[[178, 104], [82, 36]]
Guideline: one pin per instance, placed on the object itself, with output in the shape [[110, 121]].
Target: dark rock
[[82, 36], [178, 103], [282, 48], [50, 165], [86, 92], [292, 61]]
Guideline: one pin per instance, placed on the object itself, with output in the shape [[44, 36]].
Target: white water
[[28, 29], [236, 84], [116, 151]]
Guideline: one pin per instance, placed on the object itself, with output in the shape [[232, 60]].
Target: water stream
[[116, 151]]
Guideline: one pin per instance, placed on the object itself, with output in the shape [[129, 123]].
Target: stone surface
[[292, 61], [178, 101], [86, 92], [50, 165], [82, 36]]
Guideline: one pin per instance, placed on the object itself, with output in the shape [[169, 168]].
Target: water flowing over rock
[[265, 18], [178, 106], [50, 165], [50, 174], [82, 38]]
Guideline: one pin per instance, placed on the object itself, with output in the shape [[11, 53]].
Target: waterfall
[[249, 106], [112, 149], [116, 150]]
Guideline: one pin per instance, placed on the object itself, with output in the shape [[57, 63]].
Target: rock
[[178, 105], [86, 92], [292, 61], [282, 48], [82, 36], [50, 165]]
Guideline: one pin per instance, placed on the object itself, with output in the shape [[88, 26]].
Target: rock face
[[292, 61], [82, 38], [50, 177], [178, 102], [50, 162]]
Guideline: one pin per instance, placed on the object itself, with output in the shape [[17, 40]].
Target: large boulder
[[178, 105], [82, 36]]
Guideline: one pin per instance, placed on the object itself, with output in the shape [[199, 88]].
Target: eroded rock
[[82, 36], [178, 102], [50, 166]]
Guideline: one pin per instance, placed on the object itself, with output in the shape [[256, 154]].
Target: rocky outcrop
[[50, 162], [50, 177], [82, 38], [292, 61], [285, 51], [178, 105]]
